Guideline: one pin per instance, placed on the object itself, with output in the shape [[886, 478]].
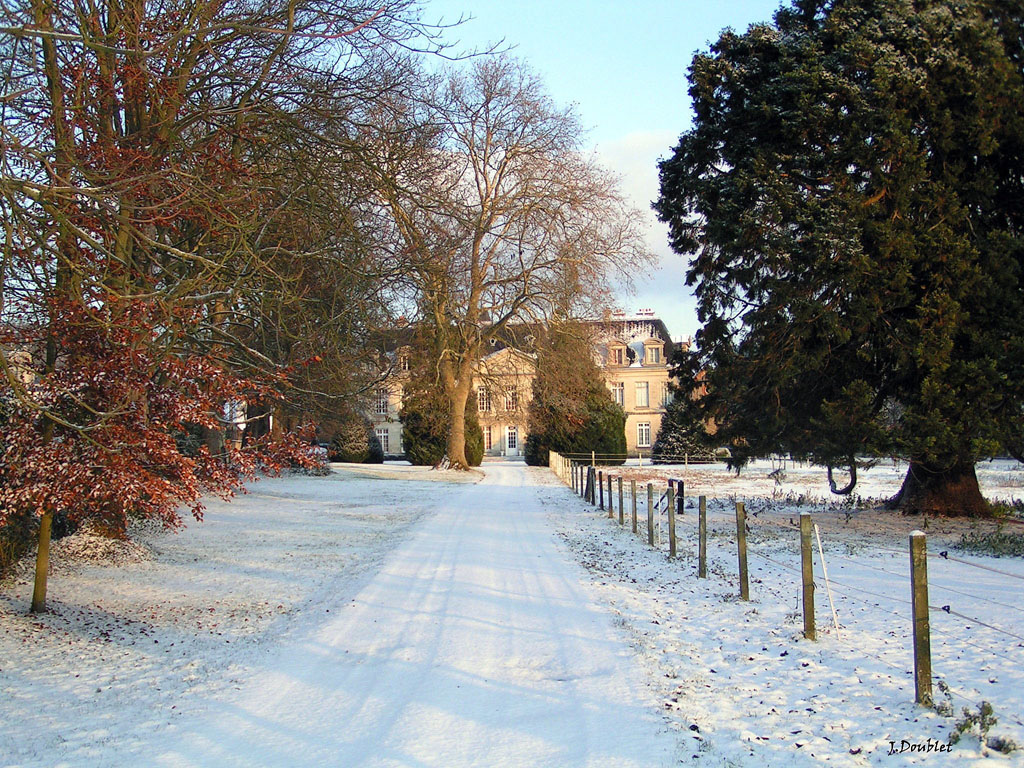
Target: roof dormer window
[[652, 352], [617, 356]]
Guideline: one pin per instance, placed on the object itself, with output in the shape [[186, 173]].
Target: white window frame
[[619, 393], [383, 401], [512, 399], [643, 434], [643, 394], [512, 438], [653, 355], [384, 435], [666, 394], [488, 442], [618, 356], [483, 399]]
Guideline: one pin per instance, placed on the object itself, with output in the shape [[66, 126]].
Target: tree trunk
[[42, 564], [214, 440], [941, 491], [457, 429]]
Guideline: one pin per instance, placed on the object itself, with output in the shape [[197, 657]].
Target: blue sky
[[623, 64]]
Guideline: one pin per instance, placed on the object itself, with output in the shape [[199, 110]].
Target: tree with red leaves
[[148, 225]]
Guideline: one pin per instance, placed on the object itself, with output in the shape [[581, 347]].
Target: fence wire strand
[[720, 514]]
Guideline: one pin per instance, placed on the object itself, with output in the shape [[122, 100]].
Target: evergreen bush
[[355, 442], [682, 436], [425, 427]]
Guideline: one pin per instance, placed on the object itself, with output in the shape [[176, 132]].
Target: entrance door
[[512, 441]]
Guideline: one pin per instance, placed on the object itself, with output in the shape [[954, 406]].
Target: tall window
[[643, 399], [619, 393], [403, 363], [382, 435], [643, 434], [653, 355], [483, 399], [512, 399], [666, 394], [512, 440], [381, 406], [487, 438]]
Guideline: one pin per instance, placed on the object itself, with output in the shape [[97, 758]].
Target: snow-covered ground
[[399, 616], [754, 691]]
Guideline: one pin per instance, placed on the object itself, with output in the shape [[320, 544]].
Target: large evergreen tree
[[852, 190]]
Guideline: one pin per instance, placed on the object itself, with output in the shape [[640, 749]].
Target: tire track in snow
[[475, 644]]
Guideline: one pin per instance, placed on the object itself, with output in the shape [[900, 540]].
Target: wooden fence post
[[622, 519], [807, 573], [600, 483], [681, 498], [741, 546], [671, 509], [650, 514], [632, 488], [588, 492], [922, 629], [611, 504], [702, 534]]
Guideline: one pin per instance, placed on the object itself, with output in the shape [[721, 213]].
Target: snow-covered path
[[474, 645]]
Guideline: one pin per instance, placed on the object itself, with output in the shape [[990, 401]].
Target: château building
[[632, 352]]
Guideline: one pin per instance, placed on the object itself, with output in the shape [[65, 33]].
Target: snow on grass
[[133, 655], [124, 651], [739, 674]]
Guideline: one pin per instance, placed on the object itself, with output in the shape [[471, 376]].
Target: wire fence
[[653, 512]]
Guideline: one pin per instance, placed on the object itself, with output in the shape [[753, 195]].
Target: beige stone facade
[[504, 387], [639, 383], [632, 352]]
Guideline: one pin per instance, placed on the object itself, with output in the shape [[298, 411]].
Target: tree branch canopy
[[502, 217]]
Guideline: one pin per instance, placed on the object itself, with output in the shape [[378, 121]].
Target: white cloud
[[634, 158]]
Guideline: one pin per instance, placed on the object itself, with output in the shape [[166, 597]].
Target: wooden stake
[[741, 545], [702, 532], [828, 587], [632, 488], [671, 522], [650, 514], [807, 573], [621, 506], [922, 628], [600, 482]]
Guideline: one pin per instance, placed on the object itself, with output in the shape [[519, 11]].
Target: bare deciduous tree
[[502, 217]]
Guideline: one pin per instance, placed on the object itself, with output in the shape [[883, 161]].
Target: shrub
[[474, 435], [17, 536], [681, 438], [604, 431], [998, 543], [536, 452], [425, 429], [356, 442], [571, 410]]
